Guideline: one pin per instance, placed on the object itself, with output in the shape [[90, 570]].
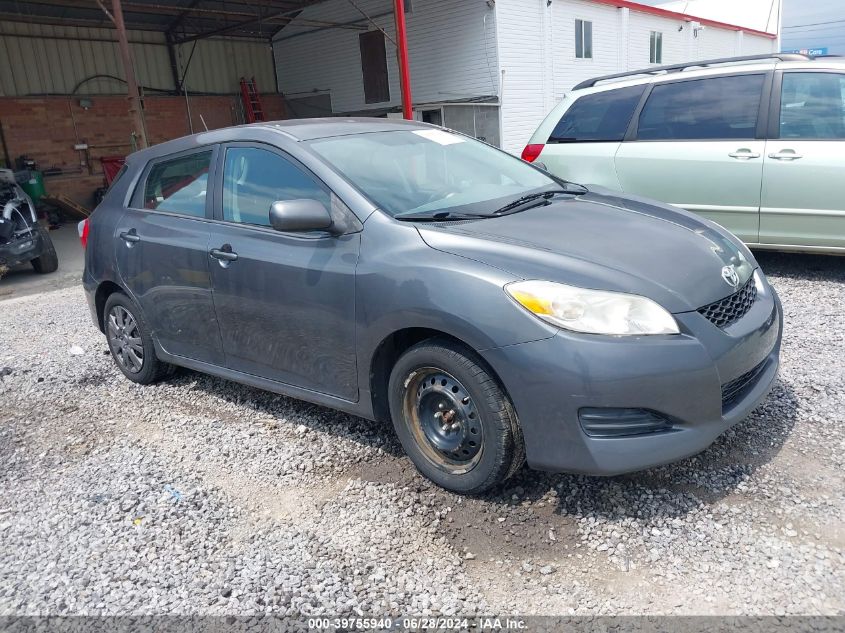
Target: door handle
[[744, 154], [130, 237], [224, 254], [786, 154]]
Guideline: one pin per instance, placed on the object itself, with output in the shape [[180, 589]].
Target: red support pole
[[402, 54]]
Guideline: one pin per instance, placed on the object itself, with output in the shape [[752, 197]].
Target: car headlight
[[592, 311]]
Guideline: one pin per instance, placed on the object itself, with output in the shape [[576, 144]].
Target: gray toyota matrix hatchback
[[396, 270]]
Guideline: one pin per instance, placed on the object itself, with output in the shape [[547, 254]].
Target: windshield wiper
[[440, 215], [531, 197]]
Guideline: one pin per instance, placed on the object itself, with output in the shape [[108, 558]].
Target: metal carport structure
[[185, 21]]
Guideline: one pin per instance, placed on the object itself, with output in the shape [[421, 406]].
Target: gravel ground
[[203, 496]]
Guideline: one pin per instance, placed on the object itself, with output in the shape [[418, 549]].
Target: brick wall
[[47, 128]]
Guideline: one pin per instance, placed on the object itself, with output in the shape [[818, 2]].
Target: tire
[[48, 261], [440, 372], [134, 354]]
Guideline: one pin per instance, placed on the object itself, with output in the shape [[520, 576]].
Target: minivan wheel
[[129, 341], [453, 419]]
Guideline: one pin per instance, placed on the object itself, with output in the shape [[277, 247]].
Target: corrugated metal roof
[[184, 19]]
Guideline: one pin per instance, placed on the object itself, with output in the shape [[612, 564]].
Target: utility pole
[[402, 54], [133, 95]]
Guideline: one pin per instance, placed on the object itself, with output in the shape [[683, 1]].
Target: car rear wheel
[[453, 419], [48, 261], [130, 342]]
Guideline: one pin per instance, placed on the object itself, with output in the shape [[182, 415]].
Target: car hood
[[608, 241]]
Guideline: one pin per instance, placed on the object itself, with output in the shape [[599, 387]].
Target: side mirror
[[299, 215]]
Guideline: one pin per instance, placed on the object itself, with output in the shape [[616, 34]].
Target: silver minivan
[[756, 144]]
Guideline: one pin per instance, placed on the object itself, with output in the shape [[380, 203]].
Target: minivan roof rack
[[674, 68]]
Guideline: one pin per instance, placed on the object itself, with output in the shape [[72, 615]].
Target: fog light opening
[[607, 422]]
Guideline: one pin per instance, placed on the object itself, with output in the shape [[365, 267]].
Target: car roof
[[693, 70], [292, 129]]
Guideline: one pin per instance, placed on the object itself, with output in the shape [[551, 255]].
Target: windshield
[[430, 170]]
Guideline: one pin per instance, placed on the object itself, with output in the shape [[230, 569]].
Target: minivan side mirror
[[304, 214]]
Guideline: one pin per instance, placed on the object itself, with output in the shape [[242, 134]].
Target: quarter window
[[602, 116], [655, 48], [254, 178], [179, 185], [583, 39], [715, 108], [812, 106]]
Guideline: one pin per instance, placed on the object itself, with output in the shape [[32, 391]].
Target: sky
[[806, 23], [814, 24]]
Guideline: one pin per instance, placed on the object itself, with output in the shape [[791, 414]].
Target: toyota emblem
[[730, 276]]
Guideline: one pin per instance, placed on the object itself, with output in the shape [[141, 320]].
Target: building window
[[655, 48], [374, 67], [583, 39]]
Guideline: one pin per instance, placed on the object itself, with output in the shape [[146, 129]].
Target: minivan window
[[602, 116], [254, 178], [179, 185], [812, 106], [702, 109]]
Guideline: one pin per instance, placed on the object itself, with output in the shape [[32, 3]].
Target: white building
[[491, 68]]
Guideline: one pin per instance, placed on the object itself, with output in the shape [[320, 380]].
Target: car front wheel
[[453, 419], [48, 261]]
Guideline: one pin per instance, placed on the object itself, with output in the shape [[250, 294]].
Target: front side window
[[429, 170], [179, 185], [812, 106], [254, 178], [602, 116], [655, 48], [583, 39], [702, 109]]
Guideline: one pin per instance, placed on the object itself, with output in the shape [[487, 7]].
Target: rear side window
[[714, 108], [812, 106], [179, 185], [602, 116]]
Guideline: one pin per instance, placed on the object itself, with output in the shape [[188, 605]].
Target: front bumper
[[677, 376], [21, 250]]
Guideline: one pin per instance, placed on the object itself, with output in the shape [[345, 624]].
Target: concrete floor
[[23, 280]]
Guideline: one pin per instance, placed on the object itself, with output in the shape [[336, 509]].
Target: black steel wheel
[[130, 342], [453, 418], [443, 419]]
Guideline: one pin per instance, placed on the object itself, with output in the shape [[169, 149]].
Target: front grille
[[731, 309], [733, 390]]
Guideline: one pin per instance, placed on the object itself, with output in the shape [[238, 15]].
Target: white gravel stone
[[198, 495]]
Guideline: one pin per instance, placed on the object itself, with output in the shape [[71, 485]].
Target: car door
[[698, 144], [162, 254], [803, 196], [285, 301]]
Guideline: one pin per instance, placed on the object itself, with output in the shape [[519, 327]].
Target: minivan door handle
[[744, 154], [223, 254], [130, 237], [786, 154]]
